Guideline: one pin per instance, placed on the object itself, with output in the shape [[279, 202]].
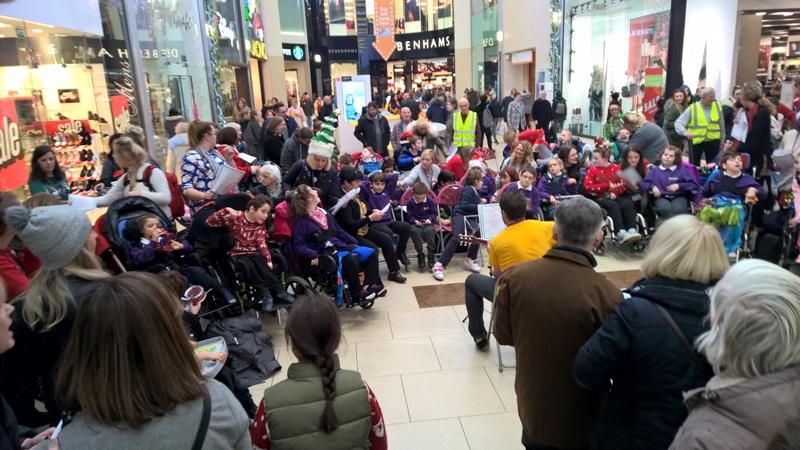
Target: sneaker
[[797, 260], [367, 293], [632, 236], [397, 277], [483, 341], [378, 289], [621, 235], [266, 302], [403, 258], [472, 265], [438, 271], [283, 299], [421, 262]]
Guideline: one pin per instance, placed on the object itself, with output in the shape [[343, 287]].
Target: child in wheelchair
[[724, 197], [250, 252], [604, 185], [671, 185], [154, 250], [317, 237], [555, 184]]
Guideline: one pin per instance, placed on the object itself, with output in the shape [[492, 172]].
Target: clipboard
[[490, 220], [227, 179]]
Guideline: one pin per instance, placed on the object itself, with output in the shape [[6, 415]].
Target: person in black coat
[[542, 113], [272, 139], [316, 172], [638, 356], [437, 112], [759, 138], [373, 130], [411, 104]]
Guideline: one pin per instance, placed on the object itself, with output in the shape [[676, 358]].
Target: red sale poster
[[13, 173], [653, 87], [120, 112]]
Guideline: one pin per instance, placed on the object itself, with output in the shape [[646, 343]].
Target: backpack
[[561, 109], [176, 205]]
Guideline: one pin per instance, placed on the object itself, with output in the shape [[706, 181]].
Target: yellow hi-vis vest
[[699, 126], [464, 130]]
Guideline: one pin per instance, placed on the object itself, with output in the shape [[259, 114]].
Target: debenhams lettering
[[423, 44]]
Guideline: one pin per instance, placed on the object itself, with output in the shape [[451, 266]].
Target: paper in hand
[[344, 200], [249, 159], [82, 203], [227, 180], [631, 176]]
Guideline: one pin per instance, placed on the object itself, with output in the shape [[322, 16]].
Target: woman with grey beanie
[[63, 240]]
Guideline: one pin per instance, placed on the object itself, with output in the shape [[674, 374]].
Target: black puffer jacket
[[649, 366], [325, 181]]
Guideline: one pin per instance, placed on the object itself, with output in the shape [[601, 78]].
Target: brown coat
[[750, 415], [547, 309]]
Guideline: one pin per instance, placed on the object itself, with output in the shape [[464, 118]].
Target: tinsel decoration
[[556, 15], [213, 51]]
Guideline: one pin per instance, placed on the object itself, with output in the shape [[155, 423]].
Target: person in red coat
[[603, 183], [12, 272]]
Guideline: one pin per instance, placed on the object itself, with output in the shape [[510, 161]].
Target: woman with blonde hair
[[643, 353], [140, 178], [521, 157], [63, 240], [753, 401]]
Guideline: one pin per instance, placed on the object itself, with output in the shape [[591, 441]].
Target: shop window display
[[66, 89], [616, 54]]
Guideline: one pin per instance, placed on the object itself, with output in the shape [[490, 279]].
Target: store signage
[[10, 144], [429, 44], [523, 57], [258, 50], [342, 48], [294, 52], [384, 28]]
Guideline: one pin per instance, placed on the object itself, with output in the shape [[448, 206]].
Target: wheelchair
[[609, 235]]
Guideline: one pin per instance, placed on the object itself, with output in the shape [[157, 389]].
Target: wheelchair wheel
[[366, 304], [297, 285]]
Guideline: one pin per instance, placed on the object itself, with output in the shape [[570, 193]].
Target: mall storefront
[[72, 83]]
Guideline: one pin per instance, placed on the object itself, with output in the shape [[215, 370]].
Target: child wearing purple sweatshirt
[[553, 185], [377, 198], [422, 215], [671, 184]]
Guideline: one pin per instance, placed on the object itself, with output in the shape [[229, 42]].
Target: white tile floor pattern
[[435, 389]]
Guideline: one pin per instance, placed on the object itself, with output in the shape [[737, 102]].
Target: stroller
[[775, 241]]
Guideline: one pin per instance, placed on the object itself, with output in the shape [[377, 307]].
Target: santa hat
[[323, 143], [404, 137], [479, 164]]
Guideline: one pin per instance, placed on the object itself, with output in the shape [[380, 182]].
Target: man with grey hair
[[547, 309], [704, 125], [399, 127]]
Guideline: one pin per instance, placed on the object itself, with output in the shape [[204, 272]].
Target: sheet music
[[227, 180]]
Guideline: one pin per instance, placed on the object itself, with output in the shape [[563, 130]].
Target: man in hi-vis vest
[[702, 123], [463, 128]]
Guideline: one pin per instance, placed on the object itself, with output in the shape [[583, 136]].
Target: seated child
[[724, 195], [468, 202], [393, 187], [489, 184], [250, 250], [527, 178], [315, 231], [346, 160], [409, 154], [603, 184], [553, 185], [671, 184], [319, 403], [446, 178], [153, 249], [504, 178], [377, 199], [422, 216], [368, 162], [620, 145]]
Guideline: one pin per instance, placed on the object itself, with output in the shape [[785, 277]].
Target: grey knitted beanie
[[55, 234]]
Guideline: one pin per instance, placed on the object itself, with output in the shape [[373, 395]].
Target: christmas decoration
[[324, 143], [216, 69], [556, 16]]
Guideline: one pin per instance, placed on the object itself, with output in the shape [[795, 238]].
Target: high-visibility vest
[[699, 126], [464, 130]]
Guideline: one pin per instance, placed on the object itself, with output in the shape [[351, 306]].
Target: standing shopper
[[373, 130], [252, 134], [515, 114], [753, 401], [703, 123], [638, 355], [542, 114], [759, 140], [570, 304]]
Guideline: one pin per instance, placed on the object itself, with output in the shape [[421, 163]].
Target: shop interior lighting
[[499, 36], [317, 58], [36, 30], [762, 13], [785, 14]]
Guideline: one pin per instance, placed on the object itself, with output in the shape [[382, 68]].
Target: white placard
[[82, 202], [227, 180], [490, 220]]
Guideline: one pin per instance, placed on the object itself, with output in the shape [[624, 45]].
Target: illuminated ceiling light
[[317, 58], [500, 36], [4, 25], [36, 30], [785, 14], [762, 13]]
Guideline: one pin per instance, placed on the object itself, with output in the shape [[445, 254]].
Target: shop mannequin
[[596, 95]]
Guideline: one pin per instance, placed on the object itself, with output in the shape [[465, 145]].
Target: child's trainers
[[438, 271], [266, 302], [472, 265]]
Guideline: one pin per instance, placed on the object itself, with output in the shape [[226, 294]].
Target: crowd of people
[[614, 380]]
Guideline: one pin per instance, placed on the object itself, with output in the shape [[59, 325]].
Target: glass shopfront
[[63, 88], [485, 45], [613, 53]]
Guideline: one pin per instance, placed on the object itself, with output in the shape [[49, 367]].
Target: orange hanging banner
[[384, 28]]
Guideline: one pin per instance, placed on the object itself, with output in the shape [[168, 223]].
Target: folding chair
[[500, 365]]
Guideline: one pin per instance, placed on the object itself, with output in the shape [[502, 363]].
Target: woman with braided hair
[[296, 413]]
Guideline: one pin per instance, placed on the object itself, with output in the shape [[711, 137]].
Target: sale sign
[[12, 164], [384, 28], [653, 87]]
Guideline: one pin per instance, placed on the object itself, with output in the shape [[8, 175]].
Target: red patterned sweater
[[250, 237]]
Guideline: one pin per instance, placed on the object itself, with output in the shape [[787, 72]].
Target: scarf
[[319, 216]]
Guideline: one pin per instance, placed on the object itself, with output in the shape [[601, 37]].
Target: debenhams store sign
[[424, 45]]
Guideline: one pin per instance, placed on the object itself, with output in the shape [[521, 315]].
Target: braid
[[325, 364]]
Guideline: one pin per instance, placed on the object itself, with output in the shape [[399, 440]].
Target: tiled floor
[[435, 389]]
